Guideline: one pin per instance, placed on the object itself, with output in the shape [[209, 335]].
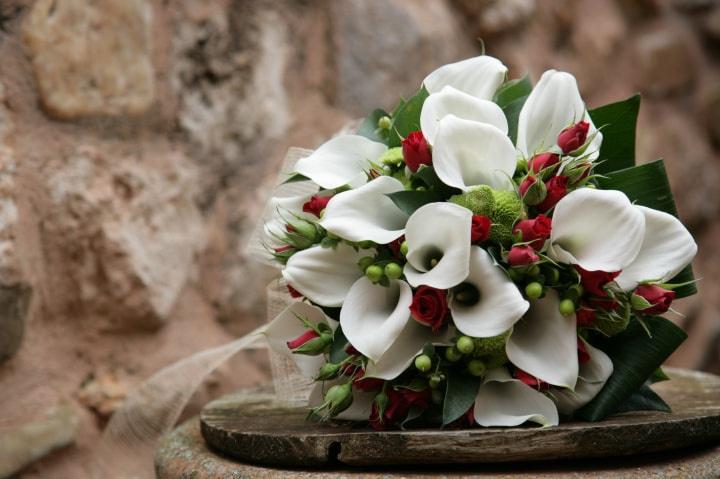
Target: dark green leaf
[[428, 176], [635, 355], [648, 185], [617, 122], [337, 348], [644, 399], [513, 90], [409, 201], [406, 119], [460, 394], [658, 376], [369, 127], [296, 177], [512, 113]]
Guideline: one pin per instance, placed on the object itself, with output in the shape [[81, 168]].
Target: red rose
[[585, 316], [429, 307], [416, 151], [367, 384], [544, 160], [526, 184], [573, 137], [659, 298], [395, 246], [608, 304], [594, 281], [522, 255], [316, 204], [480, 228], [531, 380], [534, 231], [583, 354], [302, 339], [350, 349], [556, 189], [294, 293], [400, 402]]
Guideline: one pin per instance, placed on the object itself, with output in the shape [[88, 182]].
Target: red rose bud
[[310, 343], [338, 398], [416, 151], [578, 173], [573, 137], [531, 380], [316, 204], [544, 160], [556, 188], [350, 349], [526, 184], [532, 191], [595, 281], [395, 246], [294, 293], [583, 354], [652, 299], [429, 307], [607, 304], [534, 231], [585, 317], [368, 384], [397, 406], [302, 339], [480, 228], [522, 255]]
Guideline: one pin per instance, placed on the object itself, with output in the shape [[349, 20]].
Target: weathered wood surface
[[253, 429]]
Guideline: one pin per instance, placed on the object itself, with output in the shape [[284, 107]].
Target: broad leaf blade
[[513, 90], [460, 394], [406, 118], [369, 127], [295, 178], [644, 399], [512, 114], [411, 200], [337, 348], [428, 176], [635, 356], [617, 122]]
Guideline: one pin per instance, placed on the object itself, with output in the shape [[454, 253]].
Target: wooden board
[[251, 428]]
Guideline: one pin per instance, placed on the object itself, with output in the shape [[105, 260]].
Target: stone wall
[[139, 140]]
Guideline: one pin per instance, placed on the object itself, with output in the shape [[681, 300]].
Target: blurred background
[[140, 139]]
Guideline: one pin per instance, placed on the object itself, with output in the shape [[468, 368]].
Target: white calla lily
[[593, 376], [553, 105], [287, 326], [373, 316], [667, 247], [438, 239], [343, 160], [505, 401], [499, 306], [282, 210], [479, 76], [467, 154], [450, 101], [600, 230], [544, 343], [360, 408], [323, 275], [366, 213]]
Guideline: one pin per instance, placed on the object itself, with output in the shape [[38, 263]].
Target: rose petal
[[599, 230], [593, 376], [544, 343], [480, 76], [323, 275], [500, 305]]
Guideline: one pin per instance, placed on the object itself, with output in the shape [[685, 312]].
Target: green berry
[[533, 271], [574, 292], [404, 248], [453, 355], [514, 274], [465, 345], [567, 307], [533, 290], [423, 363], [476, 367], [384, 122], [393, 270], [374, 273], [551, 274], [366, 244], [365, 262], [435, 381]]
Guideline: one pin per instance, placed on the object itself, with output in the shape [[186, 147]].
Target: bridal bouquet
[[487, 253]]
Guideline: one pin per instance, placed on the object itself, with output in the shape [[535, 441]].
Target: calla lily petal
[[553, 105], [360, 408], [479, 76], [286, 327], [544, 343], [323, 275], [366, 213], [500, 303], [447, 242], [343, 160], [467, 154], [666, 249], [599, 230], [373, 316], [593, 376], [450, 101], [504, 401]]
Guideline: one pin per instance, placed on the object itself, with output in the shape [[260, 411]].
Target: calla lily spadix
[[468, 154], [323, 275], [450, 101], [505, 401], [438, 240], [593, 376], [343, 160], [366, 213], [544, 343], [498, 304], [553, 105], [479, 76], [286, 326]]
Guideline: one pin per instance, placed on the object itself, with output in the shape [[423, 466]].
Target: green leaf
[[648, 185], [513, 90], [658, 376], [295, 178], [635, 356], [406, 118], [337, 348], [617, 122], [512, 113], [428, 176], [369, 127], [460, 394], [410, 200], [644, 399]]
